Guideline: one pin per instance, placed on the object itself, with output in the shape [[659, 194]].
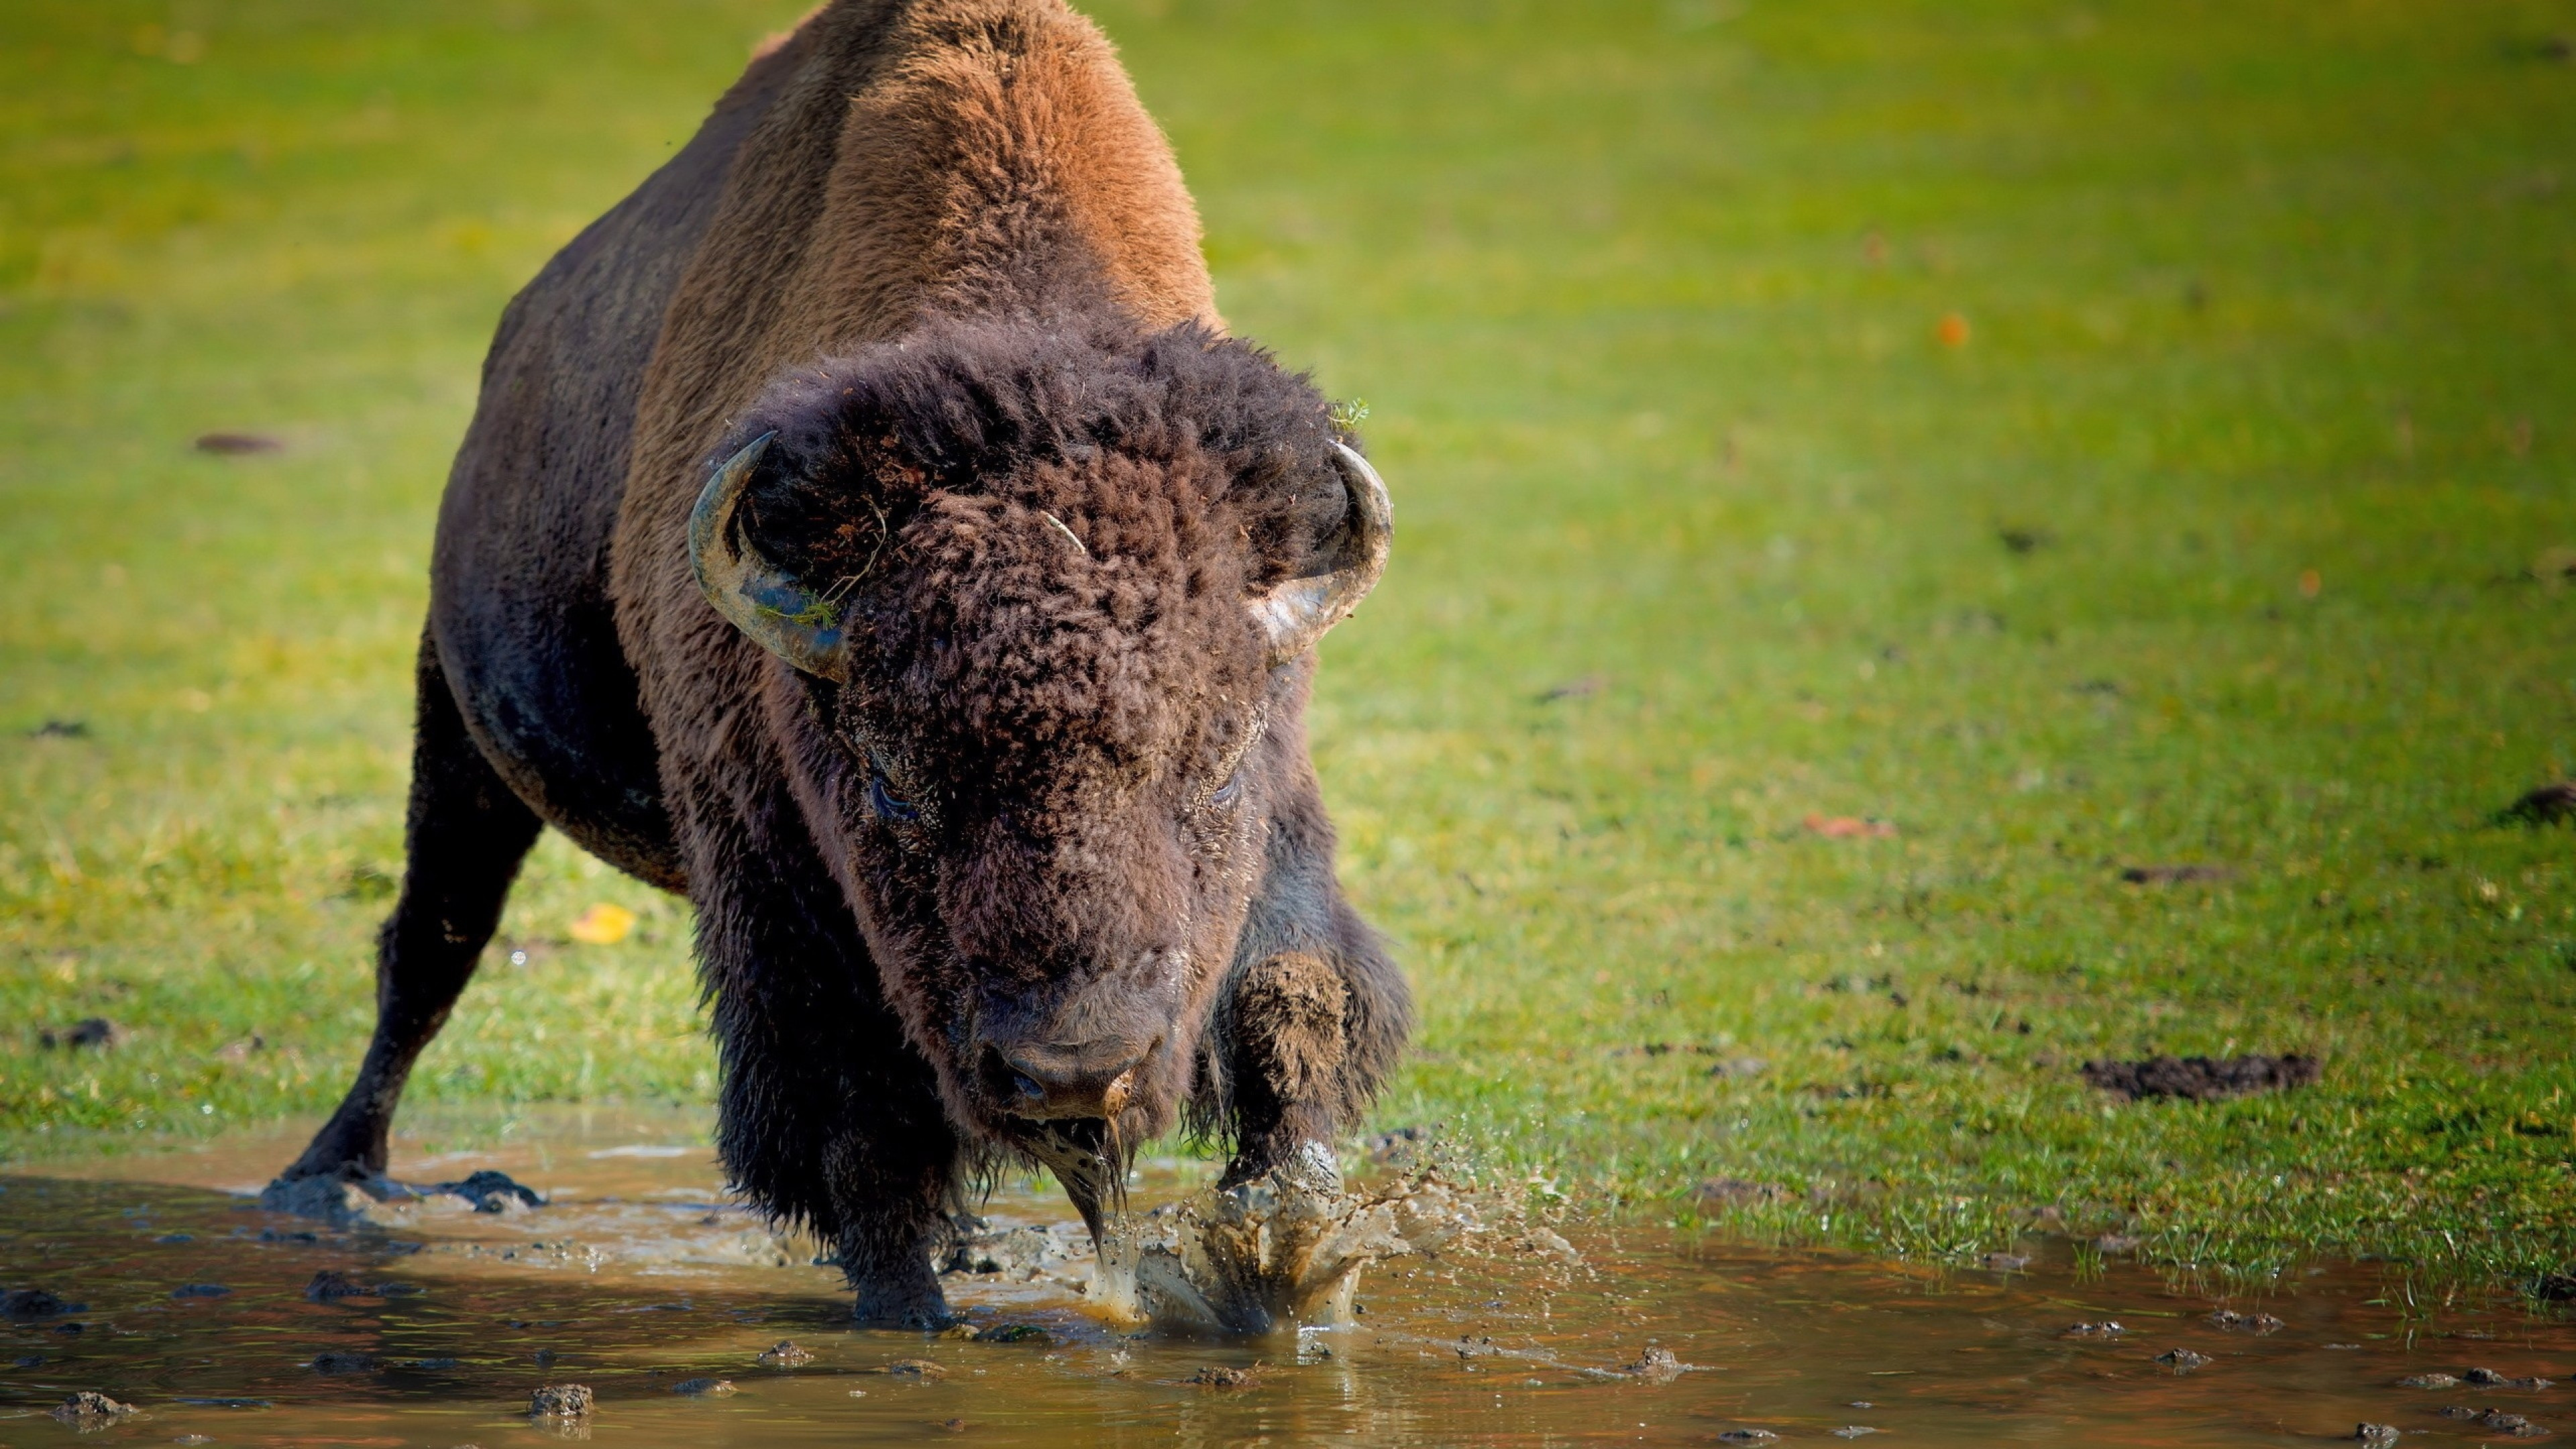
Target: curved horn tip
[[770, 605], [1297, 612]]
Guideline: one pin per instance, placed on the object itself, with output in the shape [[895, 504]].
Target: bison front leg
[[1309, 1037], [826, 1117], [464, 840]]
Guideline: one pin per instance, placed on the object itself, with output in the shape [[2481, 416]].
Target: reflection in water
[[640, 1281]]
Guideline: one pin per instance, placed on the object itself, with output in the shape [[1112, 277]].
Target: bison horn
[[780, 613], [1295, 613]]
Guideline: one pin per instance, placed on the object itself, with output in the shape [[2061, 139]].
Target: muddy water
[[639, 1277]]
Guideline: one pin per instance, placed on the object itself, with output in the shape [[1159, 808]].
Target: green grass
[[1644, 300]]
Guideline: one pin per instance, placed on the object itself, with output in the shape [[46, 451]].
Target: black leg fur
[[827, 1117], [464, 840]]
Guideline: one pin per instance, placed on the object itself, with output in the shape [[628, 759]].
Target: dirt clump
[[27, 1305], [2107, 1328], [2202, 1079], [1227, 1376], [2174, 874], [2487, 1378], [2182, 1360], [704, 1388], [237, 445], [1658, 1365], [561, 1401], [786, 1355], [93, 1031], [89, 1409], [2254, 1323], [2375, 1433], [331, 1285], [344, 1363], [2428, 1381], [2514, 1425], [916, 1368]]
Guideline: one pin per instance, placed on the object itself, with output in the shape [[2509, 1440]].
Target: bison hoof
[[1309, 1165], [906, 1310]]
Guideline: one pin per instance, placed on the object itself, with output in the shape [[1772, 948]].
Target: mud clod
[[1226, 1376], [2174, 874], [89, 1408], [2375, 1433], [2004, 1262], [95, 1031], [199, 1290], [344, 1363], [2487, 1378], [561, 1401], [331, 1285], [786, 1355], [2456, 1411], [2107, 1328], [1747, 1436], [1658, 1365], [2254, 1323], [704, 1388], [2182, 1360], [916, 1368], [237, 445], [2515, 1425], [28, 1305], [2201, 1079], [2428, 1381], [493, 1192]]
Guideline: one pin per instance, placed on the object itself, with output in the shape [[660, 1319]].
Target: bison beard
[[868, 530]]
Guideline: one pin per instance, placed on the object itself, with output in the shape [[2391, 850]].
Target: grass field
[[2078, 437]]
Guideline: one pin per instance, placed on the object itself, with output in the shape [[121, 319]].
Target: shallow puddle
[[639, 1278]]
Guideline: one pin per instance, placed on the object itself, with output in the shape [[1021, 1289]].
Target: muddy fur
[[1063, 797]]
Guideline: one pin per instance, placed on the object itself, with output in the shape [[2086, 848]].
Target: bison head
[[1050, 590]]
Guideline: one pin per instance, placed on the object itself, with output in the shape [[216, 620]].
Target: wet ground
[[641, 1282]]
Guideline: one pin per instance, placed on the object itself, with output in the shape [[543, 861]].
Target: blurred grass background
[[2081, 436]]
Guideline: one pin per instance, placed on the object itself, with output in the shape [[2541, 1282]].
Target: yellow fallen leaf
[[603, 925]]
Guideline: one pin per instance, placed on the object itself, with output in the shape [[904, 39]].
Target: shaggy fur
[[1060, 815]]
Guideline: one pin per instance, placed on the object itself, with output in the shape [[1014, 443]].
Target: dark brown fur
[[938, 252]]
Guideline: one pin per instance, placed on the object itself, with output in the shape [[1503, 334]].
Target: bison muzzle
[[869, 530]]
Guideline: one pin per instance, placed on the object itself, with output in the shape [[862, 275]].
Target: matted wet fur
[[1057, 810]]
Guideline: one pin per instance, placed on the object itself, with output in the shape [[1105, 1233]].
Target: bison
[[869, 530]]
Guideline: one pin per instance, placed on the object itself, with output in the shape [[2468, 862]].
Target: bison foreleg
[[464, 839], [1309, 1037]]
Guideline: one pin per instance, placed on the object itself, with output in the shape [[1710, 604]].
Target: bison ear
[[1296, 612], [771, 605]]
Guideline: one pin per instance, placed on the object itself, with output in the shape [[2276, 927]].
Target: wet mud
[[638, 1305]]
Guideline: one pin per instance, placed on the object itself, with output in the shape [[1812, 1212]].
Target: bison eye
[[882, 800], [1224, 796]]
